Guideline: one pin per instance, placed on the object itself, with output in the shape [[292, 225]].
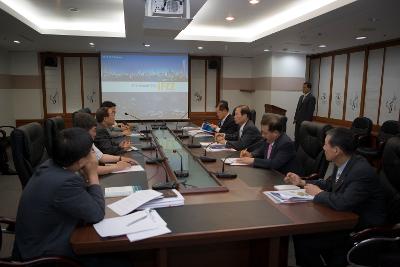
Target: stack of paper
[[132, 148], [133, 168], [204, 144], [218, 147], [136, 226], [198, 133], [121, 191], [233, 162], [170, 198], [189, 128], [133, 201], [286, 187], [289, 196]]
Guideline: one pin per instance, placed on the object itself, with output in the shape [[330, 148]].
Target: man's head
[[242, 114], [271, 127], [72, 148], [110, 105], [339, 143], [105, 116], [222, 109], [86, 122], [306, 87]]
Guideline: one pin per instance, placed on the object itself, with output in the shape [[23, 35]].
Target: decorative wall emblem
[[324, 98], [197, 97], [53, 97], [354, 103], [391, 104], [91, 97], [338, 99]]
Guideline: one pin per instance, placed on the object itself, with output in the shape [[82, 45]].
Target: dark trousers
[[314, 250]]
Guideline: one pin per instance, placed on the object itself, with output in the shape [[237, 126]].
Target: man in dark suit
[[116, 130], [226, 123], [104, 141], [56, 198], [353, 186], [248, 134], [304, 110], [277, 152]]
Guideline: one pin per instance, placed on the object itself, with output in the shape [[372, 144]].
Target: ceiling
[[337, 29]]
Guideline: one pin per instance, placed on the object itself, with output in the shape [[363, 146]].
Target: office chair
[[361, 128], [380, 246], [4, 143], [47, 261], [310, 154], [28, 149], [253, 114], [52, 127]]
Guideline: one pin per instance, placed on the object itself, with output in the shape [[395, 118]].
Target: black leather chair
[[388, 129], [4, 143], [380, 246], [310, 154], [282, 118], [28, 149], [52, 127], [253, 114], [361, 128], [46, 261]]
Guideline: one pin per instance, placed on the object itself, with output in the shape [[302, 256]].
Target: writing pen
[[138, 219]]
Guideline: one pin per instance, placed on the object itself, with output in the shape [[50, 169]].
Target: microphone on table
[[191, 145], [147, 131], [180, 173], [204, 158], [162, 185], [176, 130], [157, 158]]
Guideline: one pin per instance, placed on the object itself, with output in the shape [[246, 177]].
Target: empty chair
[[52, 127], [28, 149], [282, 118], [361, 128], [310, 154], [388, 129]]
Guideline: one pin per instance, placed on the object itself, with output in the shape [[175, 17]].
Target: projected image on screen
[[150, 87]]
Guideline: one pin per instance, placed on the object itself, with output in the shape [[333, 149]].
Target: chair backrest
[[52, 127], [281, 117], [85, 110], [28, 149], [388, 129], [253, 114], [310, 154], [361, 126]]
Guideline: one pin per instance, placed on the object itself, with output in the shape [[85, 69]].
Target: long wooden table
[[241, 227]]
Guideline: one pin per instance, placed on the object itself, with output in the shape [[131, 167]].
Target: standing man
[[353, 186], [278, 151], [304, 111], [226, 123], [248, 134]]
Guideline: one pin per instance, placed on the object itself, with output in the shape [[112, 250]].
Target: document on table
[[218, 148], [289, 196], [133, 201], [233, 162], [132, 148], [133, 168], [204, 144], [135, 134]]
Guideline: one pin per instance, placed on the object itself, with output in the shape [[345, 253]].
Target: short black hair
[[108, 104], [273, 122], [308, 84], [84, 121], [70, 145], [342, 138], [244, 110], [101, 113], [223, 105]]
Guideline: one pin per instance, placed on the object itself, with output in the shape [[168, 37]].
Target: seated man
[[278, 153], [226, 122], [353, 186], [88, 123], [56, 198], [247, 137], [105, 120], [116, 130]]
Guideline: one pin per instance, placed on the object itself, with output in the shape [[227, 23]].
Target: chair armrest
[[62, 260], [10, 224], [386, 230], [314, 176]]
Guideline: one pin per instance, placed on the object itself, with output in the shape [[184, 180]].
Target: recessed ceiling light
[[361, 37], [229, 18], [16, 41], [253, 2], [92, 44], [266, 50], [73, 9], [146, 45], [200, 47], [322, 46]]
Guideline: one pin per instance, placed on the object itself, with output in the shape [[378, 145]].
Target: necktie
[[220, 123], [338, 173], [240, 132], [269, 151]]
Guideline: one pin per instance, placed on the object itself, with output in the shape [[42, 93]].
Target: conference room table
[[231, 223]]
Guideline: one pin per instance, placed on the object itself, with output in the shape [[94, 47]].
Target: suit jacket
[[305, 109], [250, 137], [229, 128], [51, 205], [282, 158], [358, 190], [106, 143]]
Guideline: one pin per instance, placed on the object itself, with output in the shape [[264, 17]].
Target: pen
[[147, 212]]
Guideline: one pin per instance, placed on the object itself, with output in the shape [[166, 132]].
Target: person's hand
[[245, 154], [90, 169], [129, 160], [121, 165], [220, 138], [214, 126], [124, 127], [245, 160], [125, 144], [292, 178], [312, 189], [127, 132]]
